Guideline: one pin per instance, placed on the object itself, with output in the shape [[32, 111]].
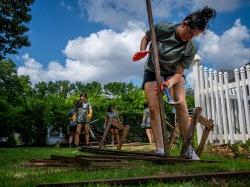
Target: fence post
[[241, 123], [217, 107], [245, 101], [208, 103], [248, 83], [202, 91], [197, 96], [196, 63], [224, 124], [212, 104], [228, 105], [248, 78]]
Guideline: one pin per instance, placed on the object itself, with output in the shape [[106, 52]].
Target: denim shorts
[[149, 76]]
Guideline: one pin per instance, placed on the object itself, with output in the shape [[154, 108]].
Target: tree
[[10, 86], [14, 16]]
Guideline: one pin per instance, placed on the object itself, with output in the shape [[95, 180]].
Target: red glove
[[164, 84], [139, 55], [156, 88]]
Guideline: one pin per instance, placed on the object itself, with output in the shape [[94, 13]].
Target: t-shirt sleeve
[[187, 59]]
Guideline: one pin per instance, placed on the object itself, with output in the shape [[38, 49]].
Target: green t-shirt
[[172, 51]]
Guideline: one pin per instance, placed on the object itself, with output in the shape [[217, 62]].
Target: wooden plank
[[105, 134], [63, 158], [174, 134], [118, 125], [49, 164], [207, 123], [155, 58], [144, 180], [189, 136], [114, 152], [163, 160], [203, 141], [125, 132]]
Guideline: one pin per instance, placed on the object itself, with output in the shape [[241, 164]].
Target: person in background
[[146, 124], [84, 114], [112, 117], [72, 126]]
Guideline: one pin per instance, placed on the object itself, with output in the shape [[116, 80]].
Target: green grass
[[13, 174]]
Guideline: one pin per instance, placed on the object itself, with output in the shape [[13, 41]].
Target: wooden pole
[[157, 72]]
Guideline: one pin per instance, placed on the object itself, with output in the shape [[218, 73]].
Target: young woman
[[84, 114], [112, 117], [146, 124], [176, 52], [72, 126]]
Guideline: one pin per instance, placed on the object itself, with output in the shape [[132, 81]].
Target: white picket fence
[[228, 104]]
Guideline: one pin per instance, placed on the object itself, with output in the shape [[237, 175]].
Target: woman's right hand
[[139, 55]]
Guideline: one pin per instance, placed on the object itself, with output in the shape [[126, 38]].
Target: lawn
[[12, 173]]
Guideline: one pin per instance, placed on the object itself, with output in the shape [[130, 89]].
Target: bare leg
[[77, 134], [71, 137], [149, 135], [181, 109], [117, 136], [152, 137], [154, 109], [112, 136], [86, 129]]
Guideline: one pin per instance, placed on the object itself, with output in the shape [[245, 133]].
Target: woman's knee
[[154, 110]]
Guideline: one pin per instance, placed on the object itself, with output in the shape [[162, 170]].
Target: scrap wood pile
[[78, 161], [104, 158], [230, 151]]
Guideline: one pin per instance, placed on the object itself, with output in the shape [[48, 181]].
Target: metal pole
[[157, 72]]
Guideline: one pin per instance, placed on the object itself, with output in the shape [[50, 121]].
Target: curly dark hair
[[199, 19], [84, 95], [109, 108]]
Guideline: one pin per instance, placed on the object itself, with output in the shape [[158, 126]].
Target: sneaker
[[159, 152], [191, 154]]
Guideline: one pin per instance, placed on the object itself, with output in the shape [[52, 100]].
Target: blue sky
[[86, 40]]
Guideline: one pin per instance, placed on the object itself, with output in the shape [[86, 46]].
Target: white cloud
[[117, 14], [103, 56], [31, 67], [220, 6], [106, 55], [228, 50]]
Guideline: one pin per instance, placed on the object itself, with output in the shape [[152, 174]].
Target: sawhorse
[[124, 129], [197, 117]]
